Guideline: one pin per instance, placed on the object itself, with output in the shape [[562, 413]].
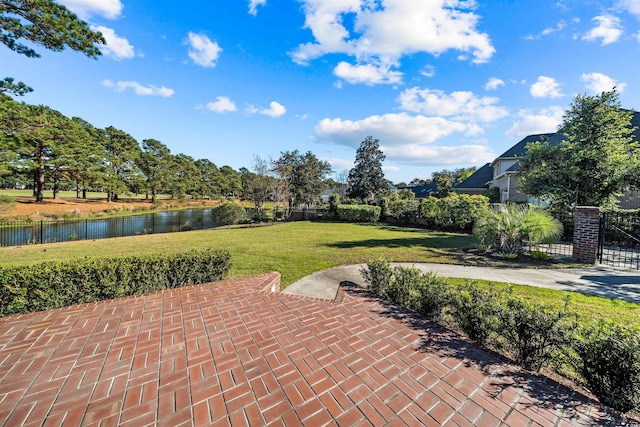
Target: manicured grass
[[588, 308], [293, 249]]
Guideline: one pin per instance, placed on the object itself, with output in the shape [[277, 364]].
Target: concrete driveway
[[599, 281]]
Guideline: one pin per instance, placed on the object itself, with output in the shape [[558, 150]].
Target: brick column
[[586, 229]]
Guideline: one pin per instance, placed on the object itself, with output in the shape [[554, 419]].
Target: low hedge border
[[48, 285], [605, 357], [359, 213]]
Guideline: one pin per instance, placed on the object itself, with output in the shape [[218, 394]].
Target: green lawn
[[48, 194], [294, 249]]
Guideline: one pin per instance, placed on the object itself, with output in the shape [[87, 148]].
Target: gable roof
[[423, 191], [478, 179], [520, 148]]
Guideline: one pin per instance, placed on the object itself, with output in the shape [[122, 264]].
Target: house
[[424, 191], [503, 172]]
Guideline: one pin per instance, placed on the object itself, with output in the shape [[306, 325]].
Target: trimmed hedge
[[606, 357], [359, 213], [454, 212], [404, 209], [29, 288]]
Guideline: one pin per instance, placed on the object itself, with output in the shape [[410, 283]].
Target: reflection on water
[[21, 233]]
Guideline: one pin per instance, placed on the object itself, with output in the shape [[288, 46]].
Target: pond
[[23, 232]]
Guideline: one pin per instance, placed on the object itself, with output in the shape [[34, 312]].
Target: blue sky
[[441, 83]]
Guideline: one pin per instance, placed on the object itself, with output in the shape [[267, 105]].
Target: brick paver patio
[[226, 354]]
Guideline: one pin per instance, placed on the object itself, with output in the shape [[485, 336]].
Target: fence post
[[586, 231], [41, 233], [86, 229]]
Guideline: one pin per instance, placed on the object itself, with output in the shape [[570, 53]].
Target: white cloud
[[222, 104], [550, 30], [203, 51], [533, 122], [253, 6], [438, 155], [398, 129], [383, 31], [631, 6], [428, 71], [598, 83], [545, 87], [275, 110], [494, 83], [461, 105], [338, 164], [110, 9], [368, 74], [390, 169], [150, 90], [117, 47], [608, 29]]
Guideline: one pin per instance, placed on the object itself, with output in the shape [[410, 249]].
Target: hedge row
[[606, 357], [358, 213], [25, 289]]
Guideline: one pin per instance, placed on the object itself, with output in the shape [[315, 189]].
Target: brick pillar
[[586, 229]]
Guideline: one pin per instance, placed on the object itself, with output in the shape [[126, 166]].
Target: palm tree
[[509, 227]]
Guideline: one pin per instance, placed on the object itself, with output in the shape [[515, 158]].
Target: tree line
[[47, 149]]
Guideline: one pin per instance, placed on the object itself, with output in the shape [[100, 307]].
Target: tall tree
[[258, 185], [366, 178], [184, 176], [44, 23], [44, 142], [154, 164], [119, 162], [209, 185], [306, 175], [230, 181], [595, 162]]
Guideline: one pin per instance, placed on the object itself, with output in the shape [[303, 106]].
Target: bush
[[24, 289], [384, 207], [228, 213], [424, 293], [454, 212], [475, 311], [378, 275], [359, 213], [334, 201], [509, 227], [610, 364], [534, 333], [404, 210]]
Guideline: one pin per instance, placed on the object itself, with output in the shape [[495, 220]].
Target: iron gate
[[619, 240]]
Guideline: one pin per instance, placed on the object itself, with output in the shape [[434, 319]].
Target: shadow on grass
[[427, 241], [505, 378]]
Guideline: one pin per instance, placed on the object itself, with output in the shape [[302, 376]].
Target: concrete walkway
[[599, 281]]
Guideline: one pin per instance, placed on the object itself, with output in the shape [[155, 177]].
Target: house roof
[[478, 179], [520, 148], [423, 191]]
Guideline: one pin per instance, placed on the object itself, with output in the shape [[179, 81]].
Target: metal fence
[[16, 233], [620, 239]]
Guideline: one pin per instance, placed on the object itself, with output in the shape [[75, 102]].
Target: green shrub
[[453, 212], [228, 213], [540, 256], [44, 286], [334, 201], [424, 293], [359, 213], [475, 311], [534, 334], [609, 361], [509, 227], [384, 207], [377, 274], [404, 210]]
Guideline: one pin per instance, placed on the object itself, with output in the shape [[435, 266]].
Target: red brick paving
[[232, 353]]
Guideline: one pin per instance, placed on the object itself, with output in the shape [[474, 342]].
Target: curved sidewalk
[[598, 281]]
